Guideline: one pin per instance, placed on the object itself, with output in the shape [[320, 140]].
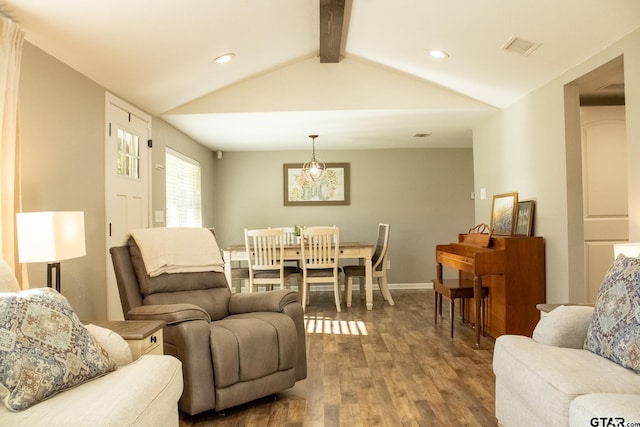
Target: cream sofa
[[549, 380], [144, 392]]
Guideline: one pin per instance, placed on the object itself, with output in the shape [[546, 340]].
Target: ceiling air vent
[[613, 87], [520, 46]]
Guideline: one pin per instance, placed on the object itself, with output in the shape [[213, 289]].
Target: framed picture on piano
[[503, 213], [524, 219]]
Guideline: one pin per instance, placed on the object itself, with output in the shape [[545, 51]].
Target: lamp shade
[[50, 236], [630, 250]]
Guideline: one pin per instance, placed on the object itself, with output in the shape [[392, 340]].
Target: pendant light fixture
[[314, 169]]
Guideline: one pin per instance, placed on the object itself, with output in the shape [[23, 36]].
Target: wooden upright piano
[[513, 268]]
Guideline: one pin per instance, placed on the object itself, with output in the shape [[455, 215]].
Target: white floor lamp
[[50, 237]]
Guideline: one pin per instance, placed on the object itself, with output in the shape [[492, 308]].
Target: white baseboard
[[329, 287], [428, 285]]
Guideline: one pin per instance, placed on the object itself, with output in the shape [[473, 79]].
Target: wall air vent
[[520, 46]]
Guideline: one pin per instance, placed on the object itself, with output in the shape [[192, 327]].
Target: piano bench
[[453, 290]]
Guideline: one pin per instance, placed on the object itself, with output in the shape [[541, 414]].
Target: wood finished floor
[[386, 367]]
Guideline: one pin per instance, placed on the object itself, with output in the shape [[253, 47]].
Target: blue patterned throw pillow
[[614, 331], [44, 349]]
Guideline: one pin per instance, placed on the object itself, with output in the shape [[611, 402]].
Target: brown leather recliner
[[234, 348]]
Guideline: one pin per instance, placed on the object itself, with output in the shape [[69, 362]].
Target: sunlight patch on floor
[[319, 325]]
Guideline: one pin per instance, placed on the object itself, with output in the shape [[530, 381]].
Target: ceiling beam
[[331, 21]]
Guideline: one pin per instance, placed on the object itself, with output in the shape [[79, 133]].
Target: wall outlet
[[387, 264]]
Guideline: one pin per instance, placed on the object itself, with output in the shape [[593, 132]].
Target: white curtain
[[11, 39]]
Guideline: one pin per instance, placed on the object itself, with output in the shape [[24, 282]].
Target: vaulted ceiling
[[383, 89]]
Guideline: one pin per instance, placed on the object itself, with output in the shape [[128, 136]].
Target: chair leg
[[294, 278], [462, 309], [304, 295], [452, 305], [348, 291], [336, 293], [435, 307], [384, 288], [482, 316]]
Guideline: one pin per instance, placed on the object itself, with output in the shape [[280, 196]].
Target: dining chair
[[292, 267], [320, 250], [265, 258], [238, 274], [378, 268], [289, 236]]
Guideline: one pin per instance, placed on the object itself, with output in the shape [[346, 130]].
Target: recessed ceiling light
[[438, 54], [222, 59]]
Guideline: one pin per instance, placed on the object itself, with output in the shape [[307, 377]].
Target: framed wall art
[[503, 212], [331, 189], [524, 218]]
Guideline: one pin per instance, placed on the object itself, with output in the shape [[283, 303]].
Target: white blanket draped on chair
[[178, 250]]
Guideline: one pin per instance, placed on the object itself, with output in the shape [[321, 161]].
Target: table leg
[[368, 273]]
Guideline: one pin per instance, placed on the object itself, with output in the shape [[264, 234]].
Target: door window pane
[[128, 153]]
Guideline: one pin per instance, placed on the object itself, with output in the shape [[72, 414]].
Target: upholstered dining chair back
[[382, 244], [378, 268]]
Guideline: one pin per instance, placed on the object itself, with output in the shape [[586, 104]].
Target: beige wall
[[165, 135], [424, 194], [62, 161], [522, 148]]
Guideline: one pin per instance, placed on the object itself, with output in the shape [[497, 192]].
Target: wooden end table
[[546, 308], [143, 336]]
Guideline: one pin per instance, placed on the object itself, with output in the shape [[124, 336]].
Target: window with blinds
[[184, 202]]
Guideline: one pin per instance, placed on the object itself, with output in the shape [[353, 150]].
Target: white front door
[[127, 182], [604, 162]]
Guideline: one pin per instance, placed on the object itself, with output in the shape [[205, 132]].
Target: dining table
[[347, 250]]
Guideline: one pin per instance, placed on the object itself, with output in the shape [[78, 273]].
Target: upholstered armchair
[[234, 348]]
